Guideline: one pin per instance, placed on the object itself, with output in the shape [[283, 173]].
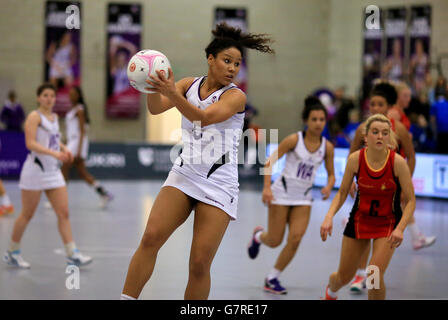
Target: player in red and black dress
[[371, 216], [381, 175], [382, 98]]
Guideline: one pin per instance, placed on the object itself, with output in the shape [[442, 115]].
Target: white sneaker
[[358, 284], [78, 259], [15, 259], [423, 242]]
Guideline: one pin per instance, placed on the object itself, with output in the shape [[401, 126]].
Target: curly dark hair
[[385, 90], [226, 37]]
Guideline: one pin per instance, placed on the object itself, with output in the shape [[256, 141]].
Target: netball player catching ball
[[41, 172], [211, 105], [289, 199], [382, 98], [382, 175]]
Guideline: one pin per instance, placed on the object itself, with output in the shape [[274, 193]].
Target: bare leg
[[66, 170], [30, 200], [278, 216], [210, 224], [171, 208], [364, 259], [351, 252], [59, 201], [381, 256], [2, 188], [82, 171], [298, 223]]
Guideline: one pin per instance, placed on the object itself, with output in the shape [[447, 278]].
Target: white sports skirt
[[205, 191], [289, 192], [73, 143], [32, 177]]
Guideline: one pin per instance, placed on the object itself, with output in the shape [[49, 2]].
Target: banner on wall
[[394, 66], [62, 51], [420, 43], [235, 17], [123, 41], [13, 153], [371, 60]]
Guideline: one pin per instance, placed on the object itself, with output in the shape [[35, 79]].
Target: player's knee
[[62, 214], [199, 267], [294, 239], [273, 242], [26, 216], [152, 240]]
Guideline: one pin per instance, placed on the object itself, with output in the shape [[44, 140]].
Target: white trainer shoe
[[78, 259], [423, 242], [15, 259], [358, 284]]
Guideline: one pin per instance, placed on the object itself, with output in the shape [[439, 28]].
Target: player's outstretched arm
[[350, 171]]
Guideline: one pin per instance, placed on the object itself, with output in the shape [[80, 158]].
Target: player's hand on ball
[[165, 86]]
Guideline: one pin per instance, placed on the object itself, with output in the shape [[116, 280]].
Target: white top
[[210, 152], [62, 56], [301, 165], [72, 123], [48, 135]]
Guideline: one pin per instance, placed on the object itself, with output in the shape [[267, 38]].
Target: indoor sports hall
[[333, 50]]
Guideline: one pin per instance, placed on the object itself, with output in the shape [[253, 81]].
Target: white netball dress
[[293, 187], [74, 132], [207, 167], [41, 171]]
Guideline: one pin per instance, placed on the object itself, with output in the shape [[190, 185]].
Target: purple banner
[[394, 66], [123, 41], [371, 60], [420, 33], [13, 153], [62, 52]]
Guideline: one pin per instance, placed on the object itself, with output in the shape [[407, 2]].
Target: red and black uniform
[[377, 209]]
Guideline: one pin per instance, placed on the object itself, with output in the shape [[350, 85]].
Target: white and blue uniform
[[293, 187], [42, 171], [74, 133], [207, 167]]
